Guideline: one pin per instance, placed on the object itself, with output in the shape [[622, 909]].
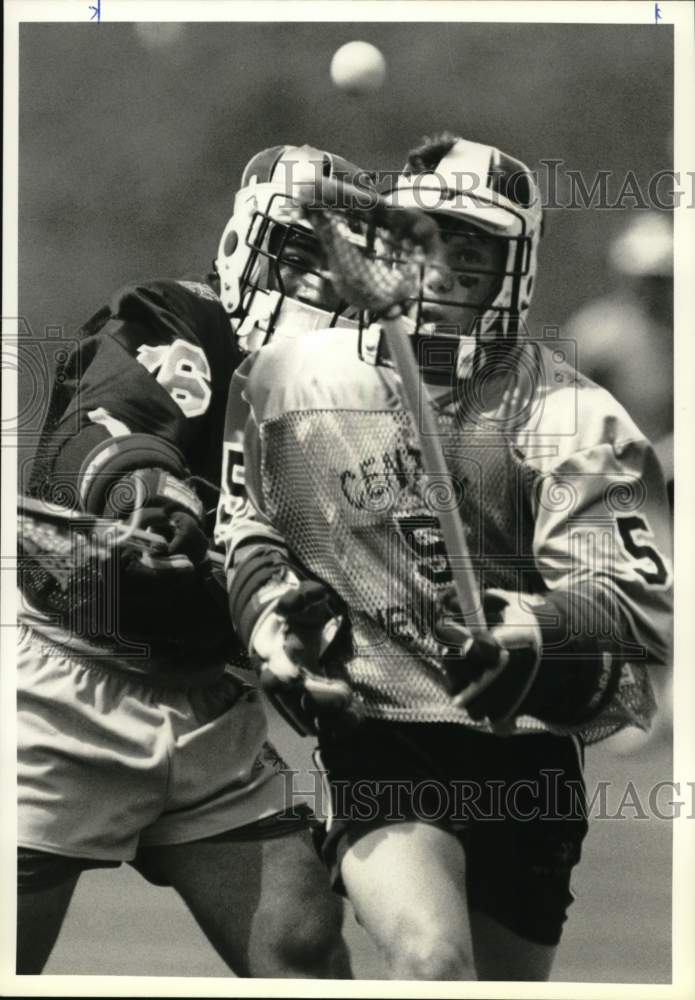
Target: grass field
[[619, 928]]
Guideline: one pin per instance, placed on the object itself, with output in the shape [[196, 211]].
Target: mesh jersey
[[545, 483]]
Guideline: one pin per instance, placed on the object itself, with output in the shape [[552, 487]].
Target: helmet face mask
[[458, 285], [487, 206], [288, 258], [269, 262]]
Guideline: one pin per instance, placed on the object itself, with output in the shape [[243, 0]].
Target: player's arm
[[147, 364], [255, 552], [135, 405], [286, 621], [260, 570], [125, 424], [138, 388], [580, 650], [606, 562]]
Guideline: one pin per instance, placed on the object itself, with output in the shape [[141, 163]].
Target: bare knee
[[306, 941], [299, 920], [429, 958]]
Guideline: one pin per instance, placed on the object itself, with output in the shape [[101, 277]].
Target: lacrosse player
[[138, 742], [458, 807]]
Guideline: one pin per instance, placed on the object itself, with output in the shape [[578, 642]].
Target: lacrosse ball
[[358, 68]]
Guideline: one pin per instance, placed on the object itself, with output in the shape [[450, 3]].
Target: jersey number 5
[[233, 493], [636, 535], [183, 370]]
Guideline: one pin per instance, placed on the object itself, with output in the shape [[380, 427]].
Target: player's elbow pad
[[578, 673], [116, 457], [255, 583]]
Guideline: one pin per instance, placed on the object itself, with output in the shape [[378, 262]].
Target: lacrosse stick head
[[488, 210], [269, 261], [90, 576], [64, 556], [382, 259], [374, 255]]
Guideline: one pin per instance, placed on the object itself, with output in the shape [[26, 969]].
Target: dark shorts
[[38, 870], [517, 804]]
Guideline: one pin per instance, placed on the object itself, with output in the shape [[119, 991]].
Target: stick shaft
[[419, 404]]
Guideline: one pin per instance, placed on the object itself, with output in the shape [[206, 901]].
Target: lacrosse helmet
[[468, 186], [264, 224]]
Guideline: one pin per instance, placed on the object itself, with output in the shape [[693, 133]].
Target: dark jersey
[[157, 360]]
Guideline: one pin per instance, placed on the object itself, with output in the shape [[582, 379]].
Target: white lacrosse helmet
[[265, 219], [479, 185]]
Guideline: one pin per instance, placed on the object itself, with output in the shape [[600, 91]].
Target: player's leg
[[299, 919], [265, 904], [226, 842], [401, 868], [40, 914], [82, 739], [407, 884], [502, 954], [519, 869]]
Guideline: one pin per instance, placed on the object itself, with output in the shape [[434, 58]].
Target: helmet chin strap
[[464, 350]]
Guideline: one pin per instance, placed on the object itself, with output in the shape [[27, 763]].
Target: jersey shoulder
[[177, 329], [187, 309], [567, 413], [160, 352]]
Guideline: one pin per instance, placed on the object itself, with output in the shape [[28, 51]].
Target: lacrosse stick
[[64, 553], [58, 547], [308, 698], [371, 283], [48, 528]]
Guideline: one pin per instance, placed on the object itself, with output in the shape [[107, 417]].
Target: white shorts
[[109, 761]]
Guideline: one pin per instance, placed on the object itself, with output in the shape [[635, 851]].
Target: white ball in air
[[358, 68]]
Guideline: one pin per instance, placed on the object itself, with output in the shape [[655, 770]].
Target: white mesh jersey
[[556, 486]]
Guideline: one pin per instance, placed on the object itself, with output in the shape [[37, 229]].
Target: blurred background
[[133, 137], [132, 140]]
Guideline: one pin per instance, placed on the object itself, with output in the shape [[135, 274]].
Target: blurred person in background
[[162, 760], [625, 339]]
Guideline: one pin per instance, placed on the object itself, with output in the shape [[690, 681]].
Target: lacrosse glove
[[168, 507], [158, 592], [492, 672], [520, 667], [289, 642]]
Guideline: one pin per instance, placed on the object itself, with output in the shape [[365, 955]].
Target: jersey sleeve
[[157, 360], [614, 546], [601, 516], [601, 542], [240, 518], [259, 564]]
